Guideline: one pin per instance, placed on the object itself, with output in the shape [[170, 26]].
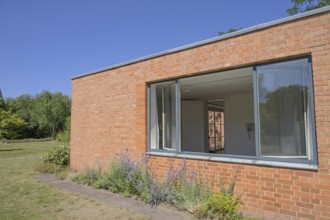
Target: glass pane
[[169, 116], [283, 90], [156, 125]]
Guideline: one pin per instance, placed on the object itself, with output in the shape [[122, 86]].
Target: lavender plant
[[191, 190], [149, 188], [184, 188], [118, 177]]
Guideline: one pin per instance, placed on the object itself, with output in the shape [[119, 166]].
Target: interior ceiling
[[217, 85]]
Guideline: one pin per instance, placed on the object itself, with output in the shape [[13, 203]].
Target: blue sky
[[44, 43]]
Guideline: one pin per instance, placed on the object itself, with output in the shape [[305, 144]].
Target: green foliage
[[62, 174], [11, 126], [186, 190], [121, 176], [44, 113], [44, 167], [190, 190], [59, 155], [191, 195], [23, 106], [22, 197], [221, 206], [306, 5], [116, 181], [231, 187], [51, 111], [2, 103], [230, 30], [89, 177], [270, 117], [64, 135]]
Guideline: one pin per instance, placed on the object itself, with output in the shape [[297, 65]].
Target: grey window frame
[[311, 146], [311, 164]]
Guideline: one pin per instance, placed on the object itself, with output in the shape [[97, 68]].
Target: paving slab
[[161, 212]]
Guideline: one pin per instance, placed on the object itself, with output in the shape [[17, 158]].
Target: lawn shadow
[[14, 149]]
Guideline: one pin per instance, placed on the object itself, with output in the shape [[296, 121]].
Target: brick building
[[269, 85]]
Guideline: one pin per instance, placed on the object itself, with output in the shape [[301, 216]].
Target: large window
[[264, 112]]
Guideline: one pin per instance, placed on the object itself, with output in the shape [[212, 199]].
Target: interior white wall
[[194, 126], [239, 110]]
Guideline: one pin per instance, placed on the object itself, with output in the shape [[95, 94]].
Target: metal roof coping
[[210, 40]]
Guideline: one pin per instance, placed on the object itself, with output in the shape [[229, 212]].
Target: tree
[[2, 103], [44, 113], [23, 106], [306, 5], [11, 126], [230, 30], [50, 111]]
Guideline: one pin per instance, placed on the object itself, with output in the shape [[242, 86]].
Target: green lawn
[[22, 197]]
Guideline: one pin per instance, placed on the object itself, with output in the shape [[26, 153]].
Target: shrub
[[89, 177], [185, 189], [118, 177], [149, 188], [59, 155], [190, 191], [132, 179], [221, 206]]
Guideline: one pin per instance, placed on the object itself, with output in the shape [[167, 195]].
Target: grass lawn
[[22, 197]]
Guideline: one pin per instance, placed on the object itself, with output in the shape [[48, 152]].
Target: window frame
[[311, 164], [311, 147]]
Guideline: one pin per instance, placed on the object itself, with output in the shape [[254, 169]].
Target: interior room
[[217, 113]]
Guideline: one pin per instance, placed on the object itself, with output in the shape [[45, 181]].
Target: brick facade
[[109, 114]]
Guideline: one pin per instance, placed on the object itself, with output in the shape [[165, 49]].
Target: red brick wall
[[109, 114]]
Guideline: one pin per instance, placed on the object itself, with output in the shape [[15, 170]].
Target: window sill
[[237, 159]]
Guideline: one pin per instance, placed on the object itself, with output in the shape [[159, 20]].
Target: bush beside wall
[[182, 188]]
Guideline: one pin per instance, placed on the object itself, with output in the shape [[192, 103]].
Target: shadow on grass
[[15, 149]]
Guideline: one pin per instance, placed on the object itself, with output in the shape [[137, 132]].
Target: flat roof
[[210, 40]]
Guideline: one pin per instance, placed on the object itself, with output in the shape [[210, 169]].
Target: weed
[[43, 167], [62, 174]]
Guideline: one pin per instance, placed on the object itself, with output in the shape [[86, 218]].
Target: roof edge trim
[[210, 40]]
